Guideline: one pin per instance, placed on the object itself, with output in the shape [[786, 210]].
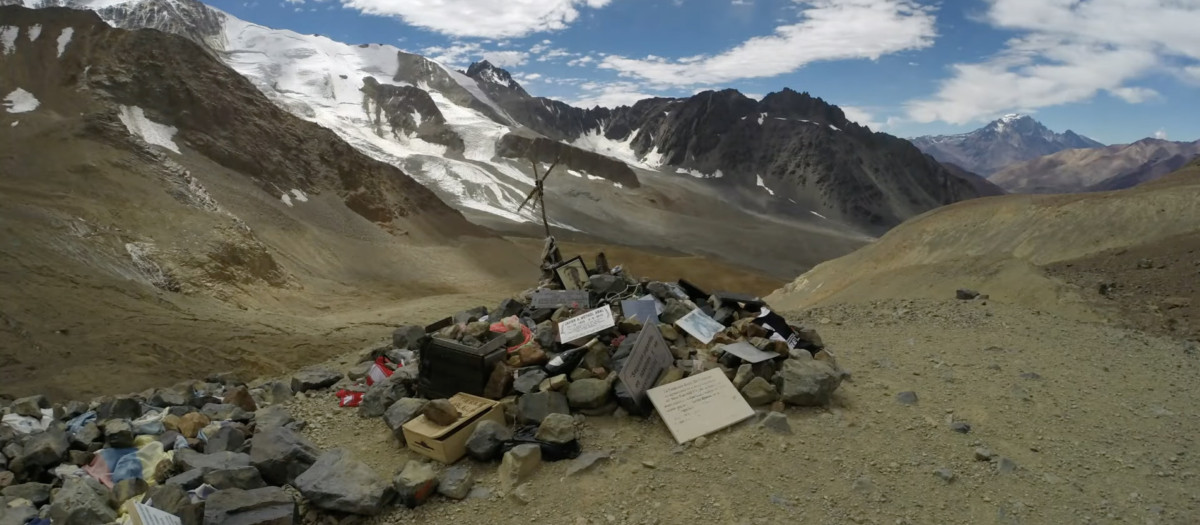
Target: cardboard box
[[449, 443]]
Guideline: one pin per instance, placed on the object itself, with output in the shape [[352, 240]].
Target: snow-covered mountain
[[1005, 141], [468, 135]]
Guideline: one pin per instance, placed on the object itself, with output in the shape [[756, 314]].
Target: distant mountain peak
[[486, 72], [1007, 140]]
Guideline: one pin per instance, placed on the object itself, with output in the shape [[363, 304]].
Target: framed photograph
[[573, 274]]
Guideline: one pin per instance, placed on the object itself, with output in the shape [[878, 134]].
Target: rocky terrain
[[1003, 142], [1097, 169]]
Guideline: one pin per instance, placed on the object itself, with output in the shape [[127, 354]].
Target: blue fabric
[[122, 462], [81, 421]]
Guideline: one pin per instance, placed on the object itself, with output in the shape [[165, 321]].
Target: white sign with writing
[[700, 325], [699, 405], [147, 515], [587, 324], [748, 352]]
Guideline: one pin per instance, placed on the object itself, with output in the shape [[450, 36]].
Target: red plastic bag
[[347, 398], [379, 371], [504, 325]]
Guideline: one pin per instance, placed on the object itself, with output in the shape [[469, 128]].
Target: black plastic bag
[[550, 451]]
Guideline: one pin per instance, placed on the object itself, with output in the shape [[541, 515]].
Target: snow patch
[[763, 185], [152, 132], [575, 173], [14, 124], [8, 38], [819, 215], [64, 38], [34, 32], [622, 150], [287, 199], [617, 185], [300, 195], [761, 118], [20, 101], [698, 174], [835, 128]]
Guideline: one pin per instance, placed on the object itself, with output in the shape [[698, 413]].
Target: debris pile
[[500, 385]]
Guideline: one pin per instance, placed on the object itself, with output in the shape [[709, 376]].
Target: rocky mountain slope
[[790, 155], [1002, 246], [1008, 140], [1098, 169]]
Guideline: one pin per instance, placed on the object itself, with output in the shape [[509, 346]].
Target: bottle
[[566, 361]]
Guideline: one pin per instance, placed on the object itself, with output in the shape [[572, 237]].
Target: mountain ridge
[[1010, 139], [1113, 167]]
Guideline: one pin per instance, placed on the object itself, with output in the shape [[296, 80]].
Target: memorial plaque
[[658, 305], [700, 325], [642, 310], [748, 353], [699, 405], [586, 324], [647, 361], [558, 298]]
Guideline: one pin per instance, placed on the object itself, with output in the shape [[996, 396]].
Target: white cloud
[[862, 117], [460, 54], [1161, 134], [526, 78], [481, 18], [1068, 51], [554, 54], [609, 94], [581, 61], [828, 30]]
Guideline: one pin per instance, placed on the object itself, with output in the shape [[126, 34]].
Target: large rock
[[245, 478], [486, 440], [456, 482], [759, 392], [81, 501], [340, 483], [174, 499], [281, 454], [264, 506], [807, 382], [380, 396], [402, 412], [225, 412], [533, 408], [276, 392], [125, 490], [190, 424], [44, 449], [226, 439], [240, 396], [441, 412], [557, 428], [589, 393], [83, 438], [518, 464], [30, 406], [409, 337], [17, 514], [188, 459], [37, 493], [118, 433], [272, 416], [314, 379], [415, 484], [189, 479], [529, 380], [170, 397]]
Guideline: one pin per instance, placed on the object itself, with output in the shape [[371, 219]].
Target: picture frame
[[572, 274]]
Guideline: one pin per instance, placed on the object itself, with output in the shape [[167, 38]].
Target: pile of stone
[[221, 451]]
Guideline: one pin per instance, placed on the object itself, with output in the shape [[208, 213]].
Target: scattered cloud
[[526, 78], [827, 30], [862, 117], [481, 18], [1161, 134], [609, 94], [461, 54], [1067, 51], [581, 61], [555, 54], [743, 2]]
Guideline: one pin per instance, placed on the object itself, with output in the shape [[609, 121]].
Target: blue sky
[[1114, 70]]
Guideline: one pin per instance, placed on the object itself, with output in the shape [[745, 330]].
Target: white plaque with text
[[586, 324], [699, 405]]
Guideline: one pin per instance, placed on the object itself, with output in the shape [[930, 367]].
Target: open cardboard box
[[449, 443]]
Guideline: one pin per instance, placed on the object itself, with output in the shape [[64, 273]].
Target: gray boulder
[[380, 396], [272, 416], [486, 440], [189, 479], [264, 506], [119, 408], [589, 393], [30, 406], [81, 501], [125, 490], [533, 408], [557, 428], [18, 514], [170, 397], [175, 500], [415, 484], [401, 412], [314, 379], [225, 412], [281, 454], [188, 459], [227, 439], [776, 422], [409, 337], [340, 483], [529, 380], [456, 482], [45, 449], [38, 493], [759, 392], [83, 438], [276, 392], [807, 383], [118, 433], [519, 464], [245, 478]]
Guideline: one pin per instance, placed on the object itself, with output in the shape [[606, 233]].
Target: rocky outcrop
[[522, 146], [406, 110], [1001, 143]]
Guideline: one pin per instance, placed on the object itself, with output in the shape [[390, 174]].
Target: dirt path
[[1097, 421]]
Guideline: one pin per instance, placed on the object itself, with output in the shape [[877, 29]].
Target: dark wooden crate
[[449, 367]]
